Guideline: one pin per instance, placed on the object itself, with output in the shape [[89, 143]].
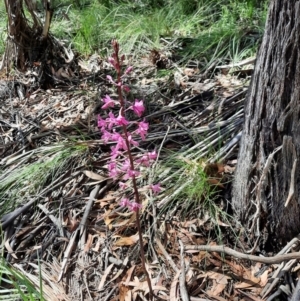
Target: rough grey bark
[[266, 186]]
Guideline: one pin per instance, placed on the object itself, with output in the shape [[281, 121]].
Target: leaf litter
[[60, 217]]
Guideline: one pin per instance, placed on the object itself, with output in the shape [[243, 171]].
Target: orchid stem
[[135, 189]]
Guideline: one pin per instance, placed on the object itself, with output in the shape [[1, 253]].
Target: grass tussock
[[36, 171], [194, 189], [15, 285]]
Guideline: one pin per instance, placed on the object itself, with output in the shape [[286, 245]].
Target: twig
[[248, 61], [80, 229], [226, 147], [231, 252], [8, 218], [274, 295], [252, 250], [296, 293], [54, 220], [39, 252], [254, 298], [151, 181], [67, 254], [182, 285], [87, 210], [110, 293], [168, 257], [283, 268]]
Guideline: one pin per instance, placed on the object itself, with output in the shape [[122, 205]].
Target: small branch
[[182, 286], [88, 208], [8, 219], [48, 17], [245, 62], [281, 269], [231, 252], [168, 257], [296, 293], [138, 224]]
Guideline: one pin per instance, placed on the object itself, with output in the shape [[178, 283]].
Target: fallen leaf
[[129, 275], [97, 247], [219, 282], [103, 278], [174, 287], [124, 264], [72, 222], [88, 243], [124, 293], [93, 175], [127, 241], [215, 297], [189, 71], [264, 278], [10, 250]]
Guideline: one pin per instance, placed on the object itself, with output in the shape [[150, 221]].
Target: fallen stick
[[231, 252], [182, 285]]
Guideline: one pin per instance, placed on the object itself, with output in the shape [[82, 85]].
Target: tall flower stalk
[[123, 165]]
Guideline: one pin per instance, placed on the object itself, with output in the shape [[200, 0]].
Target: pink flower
[[131, 174], [120, 120], [131, 141], [116, 136], [144, 160], [135, 206], [152, 155], [126, 165], [106, 136], [109, 78], [126, 89], [138, 107], [125, 203], [128, 70], [112, 61], [114, 152], [121, 144], [111, 120], [113, 172], [142, 129], [111, 165], [123, 185], [155, 188], [101, 122], [108, 102]]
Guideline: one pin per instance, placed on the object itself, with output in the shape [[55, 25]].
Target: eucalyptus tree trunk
[[266, 188]]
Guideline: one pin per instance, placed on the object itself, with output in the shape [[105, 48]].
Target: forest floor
[[64, 234]]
